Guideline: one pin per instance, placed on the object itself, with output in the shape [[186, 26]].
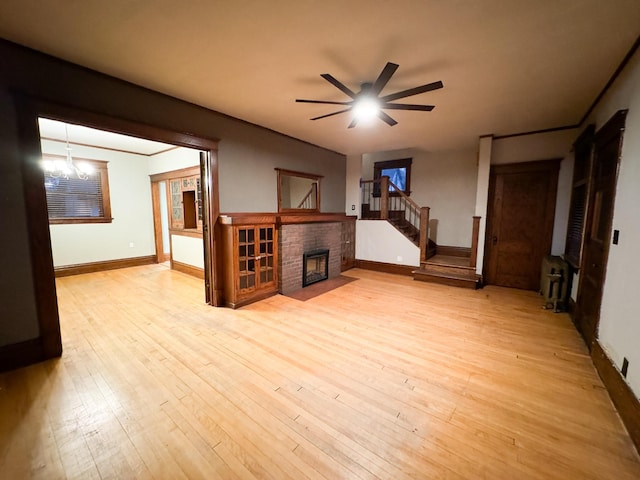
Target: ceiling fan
[[368, 100]]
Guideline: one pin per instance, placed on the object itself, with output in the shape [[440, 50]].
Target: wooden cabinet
[[348, 245], [250, 258], [185, 198]]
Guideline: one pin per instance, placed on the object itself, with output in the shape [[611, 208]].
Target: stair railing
[[309, 198], [377, 203]]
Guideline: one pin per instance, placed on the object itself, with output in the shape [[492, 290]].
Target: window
[[399, 173], [578, 207], [75, 200]]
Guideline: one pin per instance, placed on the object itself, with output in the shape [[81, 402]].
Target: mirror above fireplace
[[298, 191]]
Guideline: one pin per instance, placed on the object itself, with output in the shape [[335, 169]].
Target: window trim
[[100, 166], [383, 165]]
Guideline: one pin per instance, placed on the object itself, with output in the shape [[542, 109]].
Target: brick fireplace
[[296, 239]]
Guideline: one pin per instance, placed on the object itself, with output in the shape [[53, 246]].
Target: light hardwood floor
[[382, 378]]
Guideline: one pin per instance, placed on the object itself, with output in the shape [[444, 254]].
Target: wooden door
[[522, 200], [608, 142]]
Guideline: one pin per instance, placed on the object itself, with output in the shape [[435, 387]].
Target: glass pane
[[242, 251], [270, 248], [270, 234], [263, 277], [398, 176], [270, 261], [251, 281], [252, 250], [243, 282], [270, 275], [242, 236], [250, 236], [263, 248]]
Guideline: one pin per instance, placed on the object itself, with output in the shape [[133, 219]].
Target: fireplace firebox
[[315, 267]]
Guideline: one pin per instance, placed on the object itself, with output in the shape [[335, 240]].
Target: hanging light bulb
[[65, 168]]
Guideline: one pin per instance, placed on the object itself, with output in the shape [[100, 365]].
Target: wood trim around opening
[[623, 398], [78, 269], [28, 109], [20, 354], [175, 174]]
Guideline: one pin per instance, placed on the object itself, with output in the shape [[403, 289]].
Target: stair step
[[463, 280], [449, 260], [452, 269]]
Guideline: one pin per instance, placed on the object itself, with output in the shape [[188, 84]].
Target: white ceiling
[[508, 66], [80, 135]]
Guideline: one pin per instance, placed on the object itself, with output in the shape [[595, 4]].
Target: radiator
[[554, 282]]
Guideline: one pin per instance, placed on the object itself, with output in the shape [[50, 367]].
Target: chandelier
[[67, 168]]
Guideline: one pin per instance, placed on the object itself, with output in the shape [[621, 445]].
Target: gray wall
[[248, 155]]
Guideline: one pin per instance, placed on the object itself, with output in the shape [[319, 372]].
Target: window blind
[[74, 198]]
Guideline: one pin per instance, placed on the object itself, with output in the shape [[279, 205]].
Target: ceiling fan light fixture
[[366, 109], [368, 103]]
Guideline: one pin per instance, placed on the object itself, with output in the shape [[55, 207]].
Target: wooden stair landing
[[448, 270]]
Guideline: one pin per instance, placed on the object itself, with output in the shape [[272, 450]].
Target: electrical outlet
[[131, 244], [616, 237], [625, 367], [353, 207], [399, 258]]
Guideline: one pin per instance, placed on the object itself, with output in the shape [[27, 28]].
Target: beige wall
[[130, 194], [619, 331], [443, 181]]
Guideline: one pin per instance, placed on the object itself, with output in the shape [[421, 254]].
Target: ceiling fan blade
[[328, 102], [404, 106], [330, 114], [386, 118], [412, 91], [353, 123], [338, 84], [383, 78]]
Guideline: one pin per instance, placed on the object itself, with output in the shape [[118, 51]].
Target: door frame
[[161, 256], [614, 126], [552, 167], [28, 111]]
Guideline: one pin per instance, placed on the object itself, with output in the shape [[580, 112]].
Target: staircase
[[453, 266], [450, 270], [396, 218]]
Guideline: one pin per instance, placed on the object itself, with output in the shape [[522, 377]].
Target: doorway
[[522, 199], [604, 177], [29, 110], [97, 191]]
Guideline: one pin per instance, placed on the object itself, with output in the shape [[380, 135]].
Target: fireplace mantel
[[293, 218], [244, 218]]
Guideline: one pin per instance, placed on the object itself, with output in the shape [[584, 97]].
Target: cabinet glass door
[[246, 258], [266, 257]]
